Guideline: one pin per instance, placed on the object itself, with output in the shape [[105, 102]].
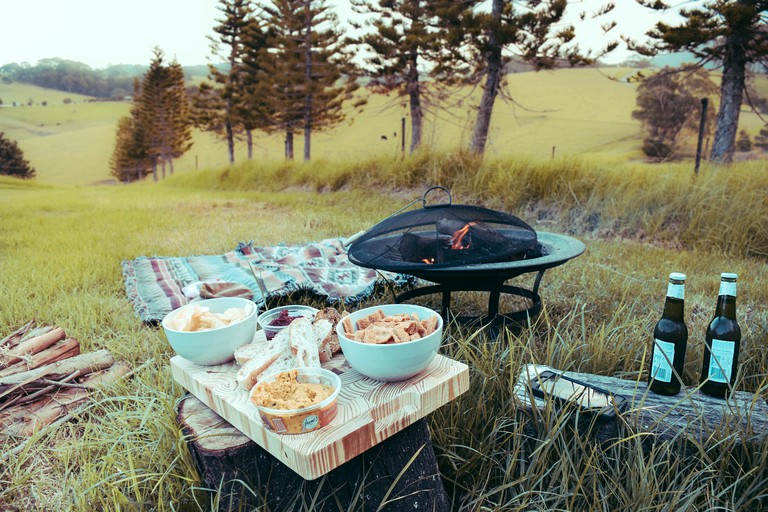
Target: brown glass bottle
[[670, 339], [722, 342]]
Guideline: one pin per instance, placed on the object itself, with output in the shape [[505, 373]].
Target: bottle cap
[[728, 276], [677, 276]]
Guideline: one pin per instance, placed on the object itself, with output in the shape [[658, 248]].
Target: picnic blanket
[[156, 285]]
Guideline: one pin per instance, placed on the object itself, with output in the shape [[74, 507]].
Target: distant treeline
[[114, 82]]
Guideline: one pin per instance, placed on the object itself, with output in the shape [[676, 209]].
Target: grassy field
[[568, 111], [60, 254]]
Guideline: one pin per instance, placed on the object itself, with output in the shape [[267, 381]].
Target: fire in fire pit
[[445, 235]]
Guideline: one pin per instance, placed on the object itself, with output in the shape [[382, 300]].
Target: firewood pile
[[44, 377]]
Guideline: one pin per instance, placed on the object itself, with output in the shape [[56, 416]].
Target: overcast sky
[[104, 32]]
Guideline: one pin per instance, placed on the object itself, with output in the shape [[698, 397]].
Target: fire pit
[[464, 248]]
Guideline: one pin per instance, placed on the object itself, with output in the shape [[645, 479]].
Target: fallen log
[[690, 415]]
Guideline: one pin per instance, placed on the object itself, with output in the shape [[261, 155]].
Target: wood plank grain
[[369, 411], [690, 412]]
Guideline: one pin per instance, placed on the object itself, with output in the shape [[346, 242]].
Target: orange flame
[[458, 237]]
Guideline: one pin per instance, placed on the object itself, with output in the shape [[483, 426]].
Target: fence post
[[702, 124]]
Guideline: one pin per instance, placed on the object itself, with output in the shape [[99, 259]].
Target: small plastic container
[[266, 318], [305, 419]]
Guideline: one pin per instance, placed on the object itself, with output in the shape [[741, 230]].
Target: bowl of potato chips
[[207, 332], [391, 342]]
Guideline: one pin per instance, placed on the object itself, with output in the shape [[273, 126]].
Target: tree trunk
[[308, 79], [289, 145], [249, 139], [230, 133], [414, 94], [154, 169], [731, 92], [492, 82], [399, 474]]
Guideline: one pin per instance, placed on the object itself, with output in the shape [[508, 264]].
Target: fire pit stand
[[490, 277], [464, 248]]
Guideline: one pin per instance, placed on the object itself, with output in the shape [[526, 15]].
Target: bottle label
[[676, 290], [661, 370], [721, 360], [728, 288]]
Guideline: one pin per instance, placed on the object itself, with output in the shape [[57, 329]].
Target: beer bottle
[[670, 339], [722, 342]]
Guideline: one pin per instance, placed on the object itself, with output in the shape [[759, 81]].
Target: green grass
[[60, 254]]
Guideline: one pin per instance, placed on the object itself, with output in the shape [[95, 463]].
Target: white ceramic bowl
[[305, 419], [271, 314], [392, 361], [213, 346]]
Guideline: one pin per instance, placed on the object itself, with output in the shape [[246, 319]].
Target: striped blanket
[[156, 285]]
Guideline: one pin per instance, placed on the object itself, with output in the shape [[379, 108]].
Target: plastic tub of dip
[[274, 320], [297, 401]]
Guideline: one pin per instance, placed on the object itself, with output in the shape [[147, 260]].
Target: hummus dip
[[285, 393]]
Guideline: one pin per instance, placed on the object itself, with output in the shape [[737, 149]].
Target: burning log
[[43, 376], [463, 242]]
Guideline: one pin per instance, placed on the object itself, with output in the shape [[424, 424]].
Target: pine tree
[[180, 122], [309, 73], [12, 162], [159, 129], [532, 31], [729, 32], [410, 37], [232, 31], [151, 115], [125, 164], [253, 103]]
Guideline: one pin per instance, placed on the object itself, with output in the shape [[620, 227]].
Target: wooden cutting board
[[369, 411]]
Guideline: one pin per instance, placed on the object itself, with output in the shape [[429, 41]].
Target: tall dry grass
[[60, 254]]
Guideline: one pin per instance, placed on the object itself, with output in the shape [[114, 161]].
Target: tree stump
[[689, 416], [401, 472]]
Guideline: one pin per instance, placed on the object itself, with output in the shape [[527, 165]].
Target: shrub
[[12, 161], [656, 149], [67, 101], [744, 143]]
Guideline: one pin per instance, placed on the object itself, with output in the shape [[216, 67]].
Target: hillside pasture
[[565, 109], [568, 112]]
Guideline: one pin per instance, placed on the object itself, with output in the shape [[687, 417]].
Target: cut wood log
[[15, 337], [86, 363], [401, 472], [689, 414], [68, 347], [31, 346], [28, 418]]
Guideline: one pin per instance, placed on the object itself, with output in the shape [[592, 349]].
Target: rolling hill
[[567, 111]]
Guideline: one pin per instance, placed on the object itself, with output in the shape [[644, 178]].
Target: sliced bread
[[258, 356], [301, 337]]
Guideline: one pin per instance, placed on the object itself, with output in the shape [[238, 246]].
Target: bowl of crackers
[[207, 332], [391, 342]]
